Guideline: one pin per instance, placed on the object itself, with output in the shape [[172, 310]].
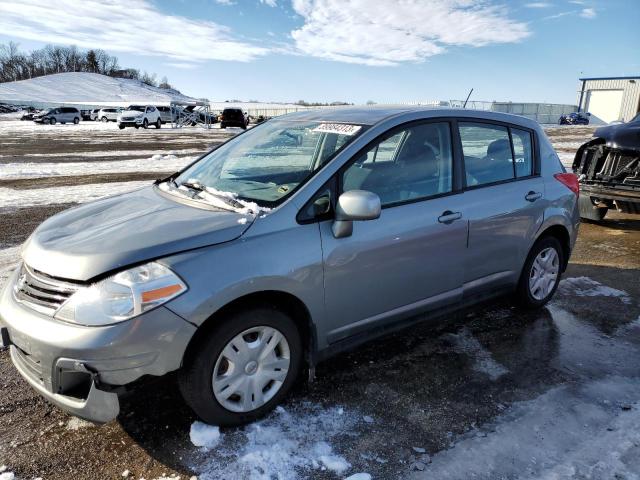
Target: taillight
[[570, 181]]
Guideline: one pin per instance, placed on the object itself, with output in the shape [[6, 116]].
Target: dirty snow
[[587, 287], [359, 476], [65, 194], [203, 435], [286, 445], [155, 154], [76, 423], [159, 162], [465, 343]]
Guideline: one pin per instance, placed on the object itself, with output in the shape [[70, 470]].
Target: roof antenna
[[465, 102]]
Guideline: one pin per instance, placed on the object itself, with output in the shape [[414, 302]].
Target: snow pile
[[5, 475], [283, 446], [65, 194], [87, 88], [568, 433], [464, 342], [203, 435], [76, 423], [587, 287]]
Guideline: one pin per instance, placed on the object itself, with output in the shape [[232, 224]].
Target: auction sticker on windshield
[[339, 128]]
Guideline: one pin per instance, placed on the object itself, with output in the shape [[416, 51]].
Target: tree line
[[18, 65]]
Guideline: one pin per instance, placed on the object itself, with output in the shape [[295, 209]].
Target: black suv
[[233, 117]]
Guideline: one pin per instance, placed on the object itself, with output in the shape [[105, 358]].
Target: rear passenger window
[[413, 163], [487, 153], [522, 147]]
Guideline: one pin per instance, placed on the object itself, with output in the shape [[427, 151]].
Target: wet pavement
[[491, 392]]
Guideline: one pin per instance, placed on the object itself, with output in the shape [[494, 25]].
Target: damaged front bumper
[[80, 369]]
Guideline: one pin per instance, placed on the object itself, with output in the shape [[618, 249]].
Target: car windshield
[[138, 108], [265, 164]]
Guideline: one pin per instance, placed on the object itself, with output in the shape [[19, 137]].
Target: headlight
[[122, 296]]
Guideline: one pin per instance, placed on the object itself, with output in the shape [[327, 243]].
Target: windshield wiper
[[229, 201], [190, 185]]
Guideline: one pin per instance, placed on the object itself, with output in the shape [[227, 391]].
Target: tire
[[137, 127], [158, 123], [534, 295], [206, 358], [121, 127], [588, 211], [76, 121], [105, 119], [52, 121], [223, 126], [145, 123]]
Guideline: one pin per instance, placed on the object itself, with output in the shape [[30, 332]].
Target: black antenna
[[465, 102]]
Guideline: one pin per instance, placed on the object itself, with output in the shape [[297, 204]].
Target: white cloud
[[132, 26], [181, 65], [588, 13], [271, 3], [225, 2], [379, 32], [538, 5]]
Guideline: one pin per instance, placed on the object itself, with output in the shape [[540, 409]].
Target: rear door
[[411, 258], [503, 201]]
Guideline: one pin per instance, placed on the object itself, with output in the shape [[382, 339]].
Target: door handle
[[448, 216], [532, 196]]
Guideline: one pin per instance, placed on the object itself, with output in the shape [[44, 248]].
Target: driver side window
[[408, 164]]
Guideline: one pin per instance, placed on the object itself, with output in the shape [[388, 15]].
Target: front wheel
[[243, 368], [541, 273], [76, 120], [105, 119], [121, 127], [145, 123], [158, 123]]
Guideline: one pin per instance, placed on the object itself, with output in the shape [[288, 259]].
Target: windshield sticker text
[[339, 128]]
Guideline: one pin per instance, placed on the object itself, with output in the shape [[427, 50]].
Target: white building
[[610, 98]]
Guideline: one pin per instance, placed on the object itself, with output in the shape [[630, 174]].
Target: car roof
[[376, 114]]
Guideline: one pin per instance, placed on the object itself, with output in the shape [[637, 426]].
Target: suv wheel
[[52, 121], [76, 120], [121, 127], [105, 119], [243, 368], [541, 273], [158, 123], [145, 123]]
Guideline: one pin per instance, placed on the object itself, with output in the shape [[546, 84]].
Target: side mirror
[[354, 205]]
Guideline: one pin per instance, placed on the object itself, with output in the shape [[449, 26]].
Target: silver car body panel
[[404, 263]]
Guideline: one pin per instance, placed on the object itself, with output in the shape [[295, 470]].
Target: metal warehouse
[[610, 98]]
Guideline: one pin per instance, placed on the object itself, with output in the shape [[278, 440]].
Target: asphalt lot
[[492, 392]]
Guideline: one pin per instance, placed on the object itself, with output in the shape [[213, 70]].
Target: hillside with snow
[[85, 88]]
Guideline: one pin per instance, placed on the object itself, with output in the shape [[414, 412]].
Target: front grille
[[30, 365], [128, 119], [42, 292]]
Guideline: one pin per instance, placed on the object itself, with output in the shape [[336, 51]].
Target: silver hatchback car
[[295, 240]]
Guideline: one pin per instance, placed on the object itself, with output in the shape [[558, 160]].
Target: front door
[[410, 259]]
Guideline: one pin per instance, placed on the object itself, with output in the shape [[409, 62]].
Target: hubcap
[[251, 369], [544, 273]]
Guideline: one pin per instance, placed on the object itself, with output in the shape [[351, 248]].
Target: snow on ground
[[288, 444], [586, 429], [86, 87], [162, 162], [76, 423], [587, 287], [464, 342], [108, 153], [203, 435], [65, 194]]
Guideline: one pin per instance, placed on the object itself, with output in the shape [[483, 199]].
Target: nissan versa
[[297, 239]]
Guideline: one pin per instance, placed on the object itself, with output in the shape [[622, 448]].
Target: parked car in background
[[93, 116], [52, 116], [608, 167], [574, 119], [86, 114], [233, 117], [167, 114], [139, 116], [108, 114], [29, 113], [305, 236]]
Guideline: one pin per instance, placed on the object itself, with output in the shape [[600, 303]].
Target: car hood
[[109, 234], [130, 113], [625, 136]]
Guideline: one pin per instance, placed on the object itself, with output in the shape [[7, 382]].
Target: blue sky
[[349, 50]]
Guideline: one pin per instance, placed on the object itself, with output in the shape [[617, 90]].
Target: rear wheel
[[158, 123], [243, 368], [76, 120], [121, 127], [590, 211], [52, 121], [145, 123], [541, 273], [105, 119]]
